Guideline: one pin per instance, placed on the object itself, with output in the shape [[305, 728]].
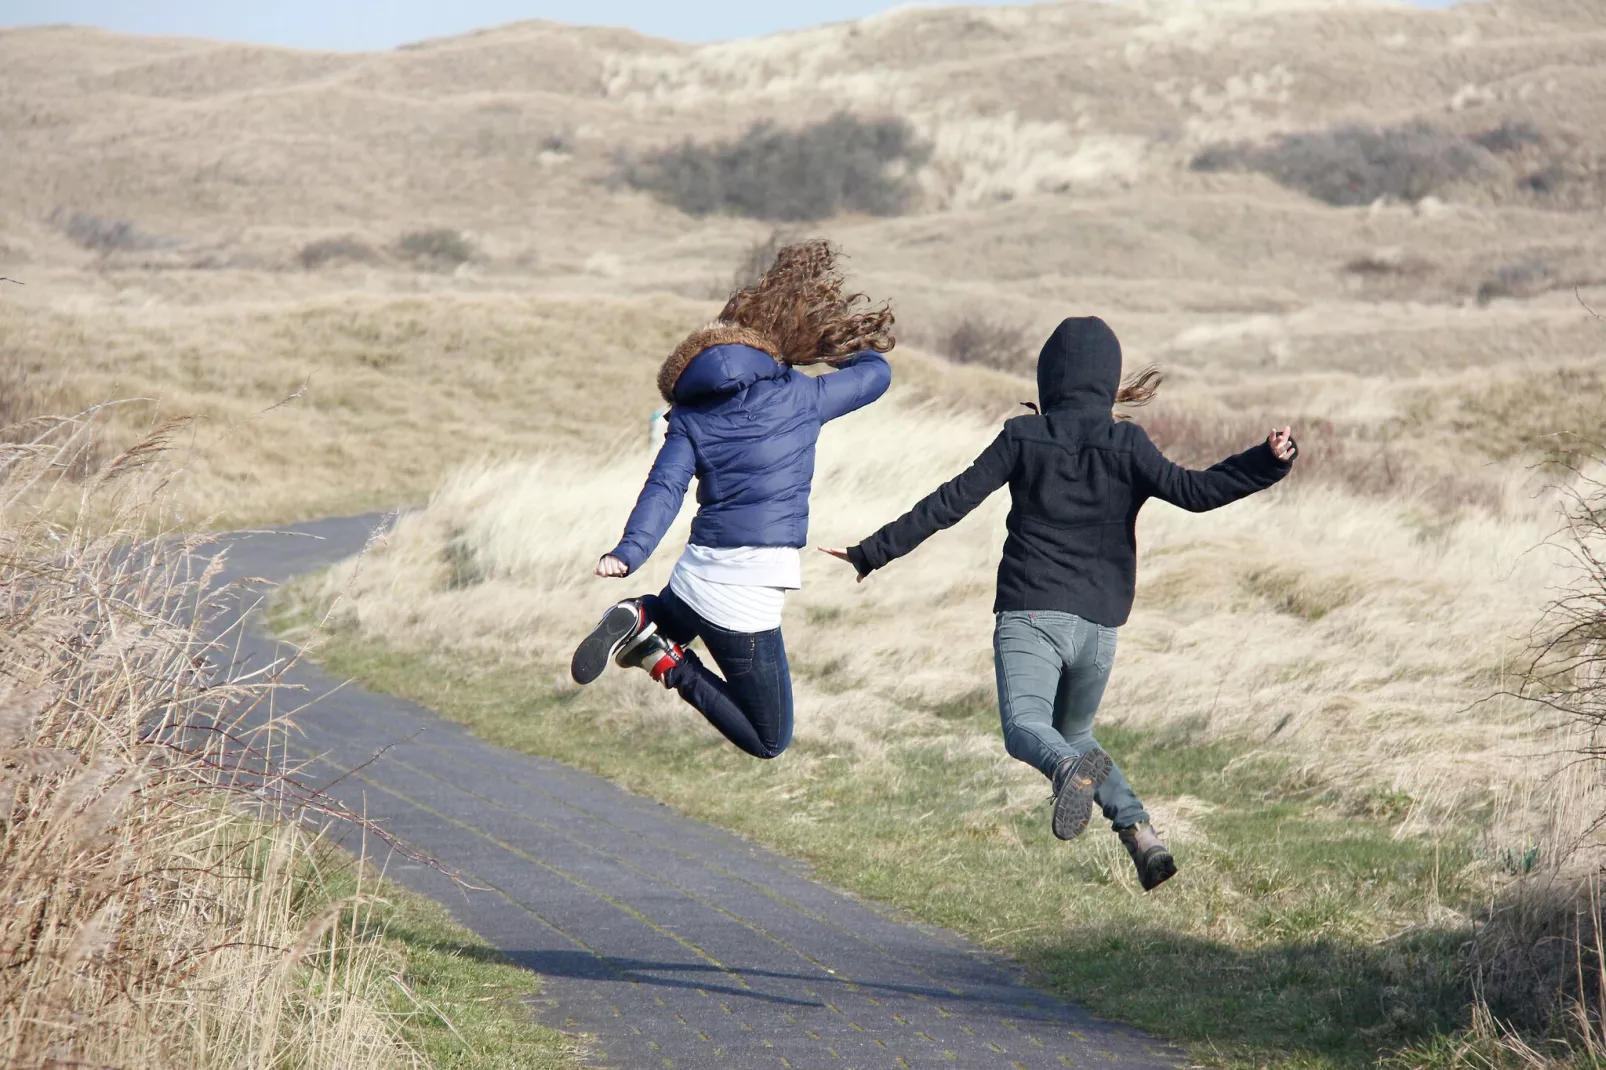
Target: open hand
[[839, 554], [1282, 444], [611, 567]]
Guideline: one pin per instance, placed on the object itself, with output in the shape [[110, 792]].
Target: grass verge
[[1303, 930], [462, 1005]]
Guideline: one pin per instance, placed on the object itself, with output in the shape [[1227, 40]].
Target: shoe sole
[[1158, 871], [597, 649], [1073, 807]]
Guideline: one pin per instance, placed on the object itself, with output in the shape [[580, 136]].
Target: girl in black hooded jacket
[[1077, 477]]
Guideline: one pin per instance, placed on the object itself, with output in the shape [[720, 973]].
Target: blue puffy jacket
[[745, 426]]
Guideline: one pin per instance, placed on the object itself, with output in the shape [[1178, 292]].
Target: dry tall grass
[[159, 912], [1545, 941], [1569, 673], [1357, 637], [341, 403], [1311, 620]]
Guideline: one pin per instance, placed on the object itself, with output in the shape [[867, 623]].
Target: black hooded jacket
[[1077, 478]]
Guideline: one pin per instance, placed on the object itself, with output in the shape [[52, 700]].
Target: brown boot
[[1153, 861]]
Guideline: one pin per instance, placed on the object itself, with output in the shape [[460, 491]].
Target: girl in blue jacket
[[1077, 477], [744, 421]]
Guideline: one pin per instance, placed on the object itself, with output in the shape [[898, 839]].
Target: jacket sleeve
[[659, 501], [1223, 483], [942, 508], [856, 382]]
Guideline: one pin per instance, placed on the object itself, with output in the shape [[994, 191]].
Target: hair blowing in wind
[[800, 304]]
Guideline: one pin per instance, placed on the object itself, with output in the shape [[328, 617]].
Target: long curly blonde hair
[[801, 305]]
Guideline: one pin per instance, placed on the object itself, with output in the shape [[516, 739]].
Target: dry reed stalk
[[159, 909], [1568, 672], [1539, 953]]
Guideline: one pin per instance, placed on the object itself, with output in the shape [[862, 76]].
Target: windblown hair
[[800, 305], [1139, 388]]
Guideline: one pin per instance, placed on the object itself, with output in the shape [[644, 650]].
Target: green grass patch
[[467, 1007], [455, 999], [1301, 930]]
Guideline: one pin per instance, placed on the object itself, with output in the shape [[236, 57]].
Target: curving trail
[[673, 943]]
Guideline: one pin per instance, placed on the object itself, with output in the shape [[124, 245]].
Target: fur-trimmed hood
[[705, 338]]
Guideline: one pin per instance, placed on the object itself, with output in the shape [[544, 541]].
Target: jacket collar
[[716, 334]]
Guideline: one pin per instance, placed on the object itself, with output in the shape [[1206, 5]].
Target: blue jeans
[[1052, 668], [752, 705]]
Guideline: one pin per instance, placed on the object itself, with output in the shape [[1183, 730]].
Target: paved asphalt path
[[673, 943]]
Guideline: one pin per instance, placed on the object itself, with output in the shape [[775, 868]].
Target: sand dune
[[1058, 183]]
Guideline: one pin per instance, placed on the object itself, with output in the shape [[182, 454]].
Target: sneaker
[[621, 626], [655, 654], [1151, 857], [1075, 781]]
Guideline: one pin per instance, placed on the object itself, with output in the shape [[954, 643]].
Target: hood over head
[[1080, 366], [718, 359]]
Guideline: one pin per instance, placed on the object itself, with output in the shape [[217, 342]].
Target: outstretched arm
[[1223, 483], [656, 507], [942, 508], [856, 382]]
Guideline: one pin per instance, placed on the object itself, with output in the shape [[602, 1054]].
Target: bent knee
[[1021, 743], [1029, 740]]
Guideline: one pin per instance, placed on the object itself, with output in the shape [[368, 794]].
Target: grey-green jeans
[[1052, 668]]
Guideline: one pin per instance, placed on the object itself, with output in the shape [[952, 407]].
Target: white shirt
[[741, 588]]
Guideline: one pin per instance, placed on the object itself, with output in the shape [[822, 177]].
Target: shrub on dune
[[1357, 163], [842, 164]]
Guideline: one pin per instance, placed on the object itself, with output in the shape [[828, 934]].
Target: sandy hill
[[1018, 101], [1058, 179]]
